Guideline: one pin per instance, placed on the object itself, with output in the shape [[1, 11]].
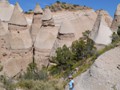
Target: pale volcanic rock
[[17, 62], [43, 45], [45, 39], [108, 18], [101, 33], [47, 19], [116, 20], [29, 18], [117, 87], [4, 42], [19, 7], [37, 21], [20, 45], [82, 20], [38, 9], [19, 31], [103, 74], [6, 10], [66, 34], [14, 18]]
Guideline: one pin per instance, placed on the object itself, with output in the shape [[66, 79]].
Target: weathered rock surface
[[20, 45], [106, 15], [6, 10], [66, 34], [47, 19], [103, 74], [116, 20], [45, 39], [101, 33], [37, 22], [49, 30]]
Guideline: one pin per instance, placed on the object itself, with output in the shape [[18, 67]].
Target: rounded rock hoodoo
[[37, 21], [47, 19]]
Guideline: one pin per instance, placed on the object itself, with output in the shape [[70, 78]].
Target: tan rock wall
[[17, 62], [115, 23]]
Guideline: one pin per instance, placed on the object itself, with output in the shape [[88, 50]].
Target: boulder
[[103, 74]]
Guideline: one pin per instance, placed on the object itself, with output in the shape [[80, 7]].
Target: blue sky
[[108, 5]]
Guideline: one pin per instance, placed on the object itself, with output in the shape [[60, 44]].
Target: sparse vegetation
[[59, 6], [33, 79], [118, 31], [116, 36], [68, 59]]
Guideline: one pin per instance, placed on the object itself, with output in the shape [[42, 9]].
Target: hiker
[[71, 83]]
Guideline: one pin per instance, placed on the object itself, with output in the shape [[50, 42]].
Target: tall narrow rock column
[[116, 20], [37, 21], [20, 44], [45, 39], [101, 33]]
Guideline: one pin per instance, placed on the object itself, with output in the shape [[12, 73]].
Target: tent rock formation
[[101, 33], [20, 42], [116, 20], [37, 21]]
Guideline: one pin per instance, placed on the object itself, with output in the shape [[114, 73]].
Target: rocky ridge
[[24, 39]]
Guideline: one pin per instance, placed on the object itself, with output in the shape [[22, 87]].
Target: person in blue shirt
[[71, 83]]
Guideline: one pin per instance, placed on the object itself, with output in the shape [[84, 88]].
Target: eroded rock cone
[[66, 34], [101, 33], [45, 39], [6, 10], [116, 20], [37, 21], [20, 45], [20, 35], [108, 18], [47, 18]]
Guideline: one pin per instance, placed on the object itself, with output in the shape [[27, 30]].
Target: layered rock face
[[37, 21], [48, 18], [103, 74], [81, 20], [116, 20], [19, 31], [20, 45], [45, 39], [4, 42], [66, 34]]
